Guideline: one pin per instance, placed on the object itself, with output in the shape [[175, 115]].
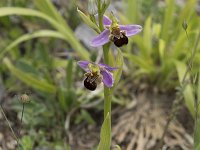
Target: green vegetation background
[[39, 50]]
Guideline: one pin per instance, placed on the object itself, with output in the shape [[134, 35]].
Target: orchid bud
[[184, 25], [92, 7]]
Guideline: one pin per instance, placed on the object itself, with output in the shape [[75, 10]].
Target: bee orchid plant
[[110, 32]]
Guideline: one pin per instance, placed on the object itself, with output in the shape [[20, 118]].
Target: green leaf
[[29, 79], [181, 69], [188, 92], [197, 147], [29, 36], [147, 37], [156, 30], [61, 98], [168, 19], [133, 5], [49, 9], [87, 20], [185, 14], [57, 62], [189, 98], [63, 29], [87, 117], [161, 49], [68, 147], [26, 143], [105, 139], [179, 45], [197, 135], [141, 62], [198, 90], [139, 41], [117, 147]]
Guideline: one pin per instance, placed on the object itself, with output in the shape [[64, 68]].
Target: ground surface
[[140, 127]]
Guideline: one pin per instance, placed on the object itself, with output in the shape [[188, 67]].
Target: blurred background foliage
[[39, 50]]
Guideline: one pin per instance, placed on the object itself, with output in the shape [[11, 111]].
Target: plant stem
[[101, 20], [107, 91], [107, 101], [22, 113], [100, 15], [106, 53]]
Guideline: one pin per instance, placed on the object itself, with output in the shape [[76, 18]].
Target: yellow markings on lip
[[94, 69]]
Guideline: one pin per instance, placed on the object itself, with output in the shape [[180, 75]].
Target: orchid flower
[[96, 73], [114, 32]]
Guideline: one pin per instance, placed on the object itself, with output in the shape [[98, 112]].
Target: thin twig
[[20, 127], [22, 113], [14, 135], [178, 98]]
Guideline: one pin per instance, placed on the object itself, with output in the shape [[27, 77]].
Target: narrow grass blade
[[161, 49], [142, 63], [49, 9], [185, 14], [68, 33], [29, 79], [118, 147], [188, 92], [147, 37], [198, 89], [29, 36], [168, 19], [133, 5]]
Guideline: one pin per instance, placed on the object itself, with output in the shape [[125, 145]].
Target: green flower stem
[[100, 20], [107, 91], [100, 15], [106, 53], [107, 101]]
